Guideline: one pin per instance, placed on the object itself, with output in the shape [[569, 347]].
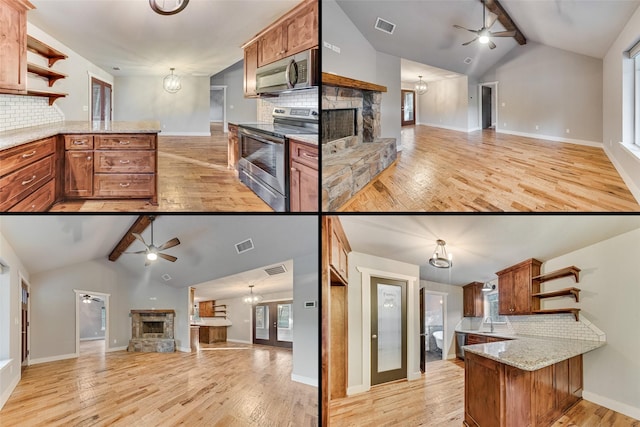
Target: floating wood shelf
[[36, 46], [335, 80], [51, 95], [48, 74], [560, 293], [574, 311], [565, 272]]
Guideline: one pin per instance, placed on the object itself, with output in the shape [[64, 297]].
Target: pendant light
[[252, 298], [168, 7], [421, 86], [171, 82], [488, 287], [440, 258]]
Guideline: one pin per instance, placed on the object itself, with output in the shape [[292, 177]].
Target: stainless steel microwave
[[295, 72]]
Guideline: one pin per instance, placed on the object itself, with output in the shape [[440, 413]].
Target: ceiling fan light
[[152, 256]]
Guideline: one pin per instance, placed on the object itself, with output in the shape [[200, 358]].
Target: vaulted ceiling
[[203, 39], [206, 253], [424, 29]]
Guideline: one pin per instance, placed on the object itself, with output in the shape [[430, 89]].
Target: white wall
[[356, 351], [185, 112], [453, 314], [551, 88], [445, 104], [388, 70], [239, 108], [609, 298], [216, 99], [617, 111], [90, 319]]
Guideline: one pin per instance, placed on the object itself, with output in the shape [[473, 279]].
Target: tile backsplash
[[18, 112], [302, 98]]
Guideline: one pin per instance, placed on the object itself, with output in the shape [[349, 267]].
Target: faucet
[[491, 322]]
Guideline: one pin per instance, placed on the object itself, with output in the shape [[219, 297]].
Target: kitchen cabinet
[[211, 334], [13, 46], [233, 155], [304, 177], [515, 288], [338, 250], [250, 69], [27, 175], [78, 174], [473, 300], [500, 395], [206, 308]]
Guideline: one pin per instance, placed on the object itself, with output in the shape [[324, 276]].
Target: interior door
[[388, 330], [486, 107], [423, 335], [24, 308], [273, 324], [408, 107], [100, 100]]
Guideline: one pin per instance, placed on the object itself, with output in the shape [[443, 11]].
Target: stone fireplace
[[152, 331], [351, 159]]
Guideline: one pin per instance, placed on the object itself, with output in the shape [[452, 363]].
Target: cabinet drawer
[[476, 339], [78, 142], [124, 162], [21, 183], [123, 185], [39, 201], [17, 157], [305, 154], [125, 142]]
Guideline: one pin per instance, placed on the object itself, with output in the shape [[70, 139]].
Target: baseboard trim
[[623, 408], [635, 191], [184, 134], [239, 341], [414, 376], [91, 339], [111, 349], [52, 358], [184, 349], [436, 125], [304, 380], [357, 390], [552, 138], [7, 393]]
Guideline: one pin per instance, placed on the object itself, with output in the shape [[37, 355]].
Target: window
[[634, 53], [103, 315], [491, 308]]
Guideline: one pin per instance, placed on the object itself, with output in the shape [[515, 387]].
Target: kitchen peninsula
[[47, 164]]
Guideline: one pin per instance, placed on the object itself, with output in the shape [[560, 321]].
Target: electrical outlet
[[115, 341], [336, 49], [504, 104], [85, 108], [568, 130], [537, 127]]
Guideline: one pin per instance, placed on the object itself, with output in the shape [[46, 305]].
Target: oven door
[[262, 166]]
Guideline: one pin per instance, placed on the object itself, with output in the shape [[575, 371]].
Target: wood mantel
[[335, 80]]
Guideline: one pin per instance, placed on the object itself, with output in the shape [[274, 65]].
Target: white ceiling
[[425, 33], [410, 70], [207, 250], [203, 39], [481, 245]]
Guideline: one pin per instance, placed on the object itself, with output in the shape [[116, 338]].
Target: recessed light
[[467, 60]]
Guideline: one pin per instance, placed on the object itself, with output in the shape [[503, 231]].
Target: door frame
[[446, 342], [402, 121], [105, 297], [253, 320], [90, 94], [494, 88], [24, 280], [413, 330], [225, 124]]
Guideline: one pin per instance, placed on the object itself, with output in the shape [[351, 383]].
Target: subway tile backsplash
[[18, 112], [556, 325], [302, 98]]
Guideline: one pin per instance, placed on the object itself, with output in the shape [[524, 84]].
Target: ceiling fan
[[86, 298], [152, 251], [483, 35]]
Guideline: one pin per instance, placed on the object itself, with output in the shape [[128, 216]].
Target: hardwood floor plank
[[444, 170]]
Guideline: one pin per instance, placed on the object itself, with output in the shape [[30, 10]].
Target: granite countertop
[[309, 139], [532, 353], [497, 334], [17, 137]]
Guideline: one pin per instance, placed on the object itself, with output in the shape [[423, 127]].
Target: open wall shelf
[[574, 292], [574, 311], [52, 55], [50, 75], [564, 272]]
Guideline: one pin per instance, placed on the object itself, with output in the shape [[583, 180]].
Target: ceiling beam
[[495, 7], [138, 226]]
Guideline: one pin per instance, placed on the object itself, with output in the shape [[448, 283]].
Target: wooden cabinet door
[[232, 147], [250, 68], [78, 174], [338, 256], [483, 377], [271, 46], [467, 299], [521, 296], [206, 308], [302, 30], [304, 188], [13, 47], [505, 293]]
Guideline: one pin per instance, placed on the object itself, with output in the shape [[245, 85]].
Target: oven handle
[[261, 137]]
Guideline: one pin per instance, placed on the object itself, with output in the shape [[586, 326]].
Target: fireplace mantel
[[340, 81]]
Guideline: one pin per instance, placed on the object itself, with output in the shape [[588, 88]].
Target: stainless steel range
[[264, 153]]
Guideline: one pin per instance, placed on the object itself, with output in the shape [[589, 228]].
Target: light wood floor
[[192, 176], [445, 170], [249, 386], [437, 400]]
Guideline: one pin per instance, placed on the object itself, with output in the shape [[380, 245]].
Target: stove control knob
[[279, 111], [314, 113]]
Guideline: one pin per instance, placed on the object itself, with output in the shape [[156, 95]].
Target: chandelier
[[171, 82], [421, 86], [168, 7], [440, 258], [251, 298]]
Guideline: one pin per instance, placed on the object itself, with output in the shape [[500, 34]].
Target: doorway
[[92, 322], [273, 323], [101, 93], [388, 330], [488, 106], [218, 109], [434, 327], [408, 107], [24, 309]]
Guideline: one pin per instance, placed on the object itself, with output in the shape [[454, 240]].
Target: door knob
[[374, 337]]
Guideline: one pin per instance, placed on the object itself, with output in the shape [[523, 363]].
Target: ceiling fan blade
[[171, 243], [137, 252], [469, 42], [504, 34], [463, 28], [139, 237], [492, 45], [491, 19], [167, 257]]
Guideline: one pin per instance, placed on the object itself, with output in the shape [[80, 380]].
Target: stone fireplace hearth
[[152, 331]]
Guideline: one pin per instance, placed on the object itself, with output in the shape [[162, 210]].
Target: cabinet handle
[[31, 154], [79, 142], [125, 185], [309, 156], [124, 142], [125, 162], [89, 158], [294, 170], [29, 181]]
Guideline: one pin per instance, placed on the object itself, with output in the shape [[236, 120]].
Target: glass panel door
[[262, 322], [285, 323], [100, 100], [408, 107], [273, 324]]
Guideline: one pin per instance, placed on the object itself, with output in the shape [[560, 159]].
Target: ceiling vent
[[467, 60], [278, 269], [166, 277], [244, 246], [385, 26]]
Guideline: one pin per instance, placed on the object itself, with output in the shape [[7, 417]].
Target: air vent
[[278, 269], [385, 26], [166, 277], [245, 246], [467, 60]]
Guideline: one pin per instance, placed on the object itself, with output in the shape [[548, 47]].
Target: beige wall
[[445, 104]]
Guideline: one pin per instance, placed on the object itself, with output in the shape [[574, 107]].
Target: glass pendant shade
[[421, 86], [251, 298], [171, 82], [440, 258]]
